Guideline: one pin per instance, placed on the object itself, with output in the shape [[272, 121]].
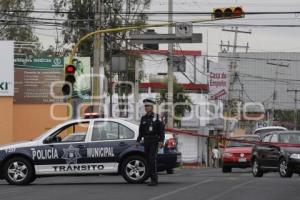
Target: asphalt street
[[185, 184]]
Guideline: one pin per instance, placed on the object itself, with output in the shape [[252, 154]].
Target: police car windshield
[[46, 133]]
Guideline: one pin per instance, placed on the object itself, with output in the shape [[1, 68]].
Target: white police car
[[80, 147]]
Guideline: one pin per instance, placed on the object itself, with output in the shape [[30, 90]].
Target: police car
[[81, 147]]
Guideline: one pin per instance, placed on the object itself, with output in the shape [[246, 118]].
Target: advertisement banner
[[34, 78], [218, 81], [82, 74], [7, 68]]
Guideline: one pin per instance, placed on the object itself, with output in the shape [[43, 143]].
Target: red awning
[[189, 86], [165, 52]]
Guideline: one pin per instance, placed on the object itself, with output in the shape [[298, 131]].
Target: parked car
[[278, 152], [170, 147], [265, 130], [238, 154], [81, 147]]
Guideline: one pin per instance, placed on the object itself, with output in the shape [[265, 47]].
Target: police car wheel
[[18, 171], [135, 170]]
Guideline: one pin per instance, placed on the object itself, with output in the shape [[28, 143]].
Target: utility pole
[[195, 67], [98, 61], [275, 89], [136, 89], [170, 68], [102, 61], [96, 54], [232, 71], [295, 105], [98, 66]]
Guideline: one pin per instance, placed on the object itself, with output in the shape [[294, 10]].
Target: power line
[[150, 13], [253, 58]]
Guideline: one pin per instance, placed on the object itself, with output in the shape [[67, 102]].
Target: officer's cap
[[149, 101]]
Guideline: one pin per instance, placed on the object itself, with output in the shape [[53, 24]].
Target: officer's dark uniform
[[152, 130]]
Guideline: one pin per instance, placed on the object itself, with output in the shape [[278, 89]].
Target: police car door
[[64, 151], [108, 140]]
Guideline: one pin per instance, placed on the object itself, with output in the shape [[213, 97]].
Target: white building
[[153, 70]]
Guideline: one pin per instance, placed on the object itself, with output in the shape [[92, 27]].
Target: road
[[185, 184]]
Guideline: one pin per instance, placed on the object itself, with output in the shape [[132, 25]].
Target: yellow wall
[[31, 120], [6, 120], [27, 121]]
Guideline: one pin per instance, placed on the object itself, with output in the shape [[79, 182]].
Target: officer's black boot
[[153, 183]]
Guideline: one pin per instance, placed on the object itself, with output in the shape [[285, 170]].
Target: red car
[[237, 154]]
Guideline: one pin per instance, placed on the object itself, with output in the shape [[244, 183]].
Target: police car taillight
[[91, 115], [171, 143]]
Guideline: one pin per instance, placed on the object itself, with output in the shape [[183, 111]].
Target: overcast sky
[[261, 39]]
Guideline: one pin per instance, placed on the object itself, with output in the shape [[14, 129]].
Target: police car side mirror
[[52, 139], [48, 140], [58, 139]]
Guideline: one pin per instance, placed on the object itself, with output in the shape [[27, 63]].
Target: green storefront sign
[[40, 63]]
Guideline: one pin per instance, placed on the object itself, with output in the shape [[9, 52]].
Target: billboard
[[34, 78], [7, 68], [82, 74], [218, 81]]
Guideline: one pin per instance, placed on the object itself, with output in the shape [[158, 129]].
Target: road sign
[[179, 63], [164, 38], [119, 63], [184, 29]]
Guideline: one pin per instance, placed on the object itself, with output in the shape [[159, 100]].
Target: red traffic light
[[238, 11], [70, 69], [70, 74], [228, 13]]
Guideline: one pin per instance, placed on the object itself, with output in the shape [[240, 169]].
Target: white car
[[265, 130]]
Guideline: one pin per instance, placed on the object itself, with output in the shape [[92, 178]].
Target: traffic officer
[[152, 130]]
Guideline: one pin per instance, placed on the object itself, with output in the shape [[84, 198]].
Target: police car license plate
[[242, 160], [179, 158]]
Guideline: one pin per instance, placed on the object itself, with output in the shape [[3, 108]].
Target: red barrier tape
[[191, 133]]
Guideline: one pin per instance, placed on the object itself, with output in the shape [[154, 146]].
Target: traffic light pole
[[129, 28], [102, 61], [96, 54], [98, 60]]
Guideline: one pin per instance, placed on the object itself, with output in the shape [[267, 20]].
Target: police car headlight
[[295, 156]]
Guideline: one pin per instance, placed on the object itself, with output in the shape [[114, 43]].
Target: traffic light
[[231, 12], [69, 80]]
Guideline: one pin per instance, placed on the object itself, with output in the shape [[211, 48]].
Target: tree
[[16, 26], [179, 96], [80, 20], [286, 118]]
